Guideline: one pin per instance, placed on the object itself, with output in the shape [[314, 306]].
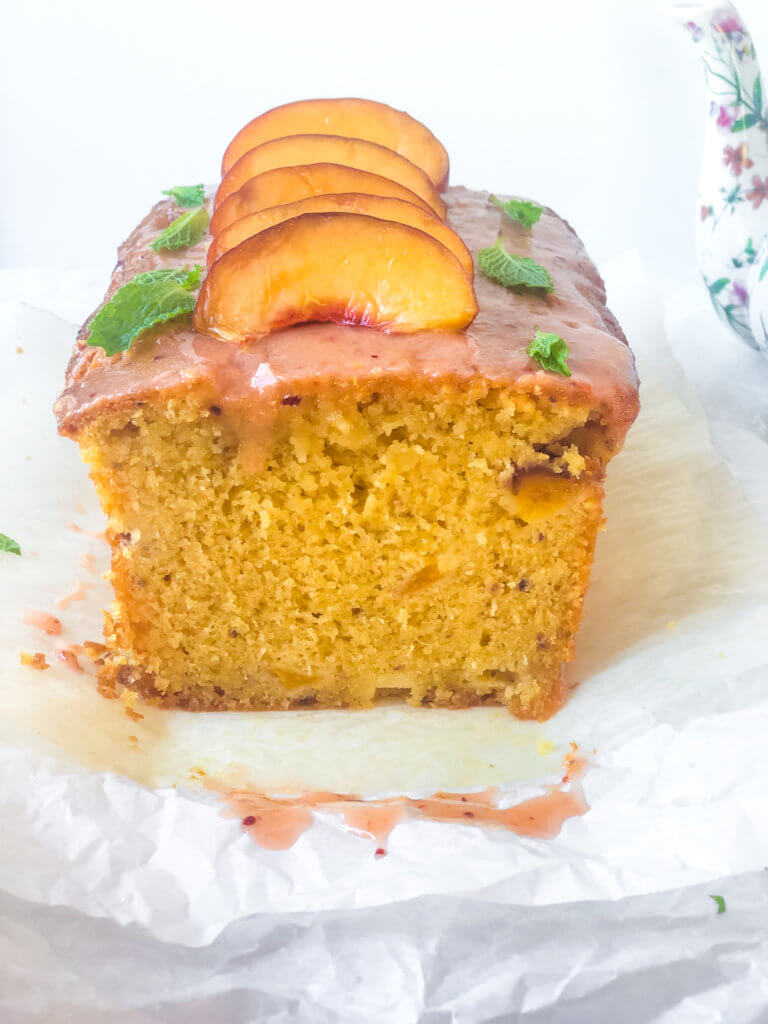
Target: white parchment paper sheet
[[125, 896]]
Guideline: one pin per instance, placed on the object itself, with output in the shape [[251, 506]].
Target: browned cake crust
[[251, 383]]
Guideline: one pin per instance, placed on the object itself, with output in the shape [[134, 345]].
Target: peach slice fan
[[340, 267], [353, 118]]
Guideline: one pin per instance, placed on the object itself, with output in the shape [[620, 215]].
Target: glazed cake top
[[326, 357]]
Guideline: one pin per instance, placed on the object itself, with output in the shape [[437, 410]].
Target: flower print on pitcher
[[758, 296], [733, 187]]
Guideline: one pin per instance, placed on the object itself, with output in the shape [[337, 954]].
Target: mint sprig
[[521, 210], [720, 901], [9, 544], [145, 301], [551, 351], [187, 195], [186, 230], [513, 271]]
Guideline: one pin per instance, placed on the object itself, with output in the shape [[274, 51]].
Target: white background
[[595, 107]]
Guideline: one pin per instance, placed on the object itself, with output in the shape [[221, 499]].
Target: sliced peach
[[329, 149], [287, 184], [353, 118], [384, 207], [342, 267]]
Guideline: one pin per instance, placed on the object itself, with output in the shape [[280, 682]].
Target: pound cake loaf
[[349, 473]]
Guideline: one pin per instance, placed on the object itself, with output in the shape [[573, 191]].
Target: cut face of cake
[[330, 514]]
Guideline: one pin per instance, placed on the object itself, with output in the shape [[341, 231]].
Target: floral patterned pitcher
[[732, 226]]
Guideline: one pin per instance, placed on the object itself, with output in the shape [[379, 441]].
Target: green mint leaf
[[720, 903], [551, 351], [519, 209], [512, 271], [187, 195], [718, 285], [146, 300], [741, 125], [757, 94], [764, 271], [9, 544], [186, 230]]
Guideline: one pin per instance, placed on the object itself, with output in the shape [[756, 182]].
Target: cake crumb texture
[[433, 548]]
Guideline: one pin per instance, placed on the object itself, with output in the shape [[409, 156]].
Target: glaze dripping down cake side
[[333, 514]]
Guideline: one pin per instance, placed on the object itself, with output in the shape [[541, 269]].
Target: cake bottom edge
[[533, 700]]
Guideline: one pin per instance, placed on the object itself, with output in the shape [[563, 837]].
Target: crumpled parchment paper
[[126, 896]]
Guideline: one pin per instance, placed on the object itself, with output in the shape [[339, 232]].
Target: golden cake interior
[[435, 547]]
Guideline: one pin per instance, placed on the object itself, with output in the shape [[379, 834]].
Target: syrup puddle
[[276, 823]]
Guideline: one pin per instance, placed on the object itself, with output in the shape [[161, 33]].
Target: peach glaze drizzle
[[96, 534], [250, 383], [276, 823], [78, 594], [43, 620], [88, 562], [68, 657]]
